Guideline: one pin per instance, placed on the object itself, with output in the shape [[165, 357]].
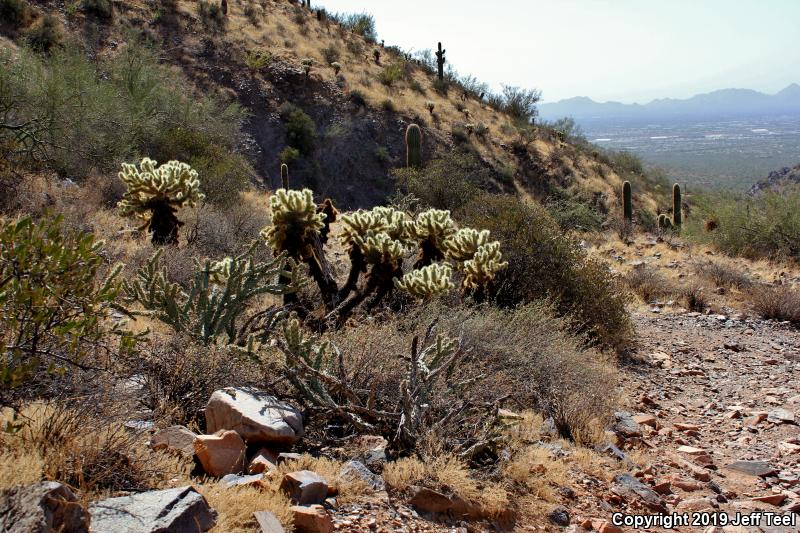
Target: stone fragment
[[254, 415], [46, 507], [220, 454], [305, 487], [268, 522], [752, 468], [265, 460], [312, 519], [175, 439]]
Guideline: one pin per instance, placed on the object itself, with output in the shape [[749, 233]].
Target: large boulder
[[255, 415], [221, 454], [46, 507], [176, 510]]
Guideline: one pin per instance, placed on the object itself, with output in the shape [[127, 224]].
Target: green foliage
[[216, 299], [574, 213], [53, 312], [447, 182], [763, 226], [390, 74], [102, 9], [289, 155], [362, 24], [257, 59], [521, 103], [301, 132], [211, 15], [84, 116], [331, 54], [413, 146], [545, 264], [627, 202], [677, 206]]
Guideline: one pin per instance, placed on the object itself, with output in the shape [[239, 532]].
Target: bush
[[762, 226], [545, 264], [331, 54], [448, 182], [574, 214], [648, 283], [776, 303], [362, 24], [301, 132], [520, 103], [723, 275], [253, 15], [14, 13], [211, 14], [289, 155], [358, 98], [390, 74], [47, 35], [102, 9], [53, 311]]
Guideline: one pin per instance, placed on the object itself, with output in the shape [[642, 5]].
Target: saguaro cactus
[[224, 6], [440, 61], [627, 201], [413, 146], [677, 210], [285, 176]]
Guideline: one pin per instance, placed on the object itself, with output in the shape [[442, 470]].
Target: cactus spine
[[440, 61], [627, 201], [677, 212], [413, 146], [285, 176]]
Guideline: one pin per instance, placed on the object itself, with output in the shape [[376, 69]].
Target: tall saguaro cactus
[[285, 176], [677, 210], [224, 6], [627, 201], [413, 146], [440, 61]]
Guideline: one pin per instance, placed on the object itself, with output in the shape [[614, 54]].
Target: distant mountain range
[[722, 103]]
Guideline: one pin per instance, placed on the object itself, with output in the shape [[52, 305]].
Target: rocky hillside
[[777, 180]]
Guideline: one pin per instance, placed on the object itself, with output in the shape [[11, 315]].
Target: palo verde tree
[[156, 193]]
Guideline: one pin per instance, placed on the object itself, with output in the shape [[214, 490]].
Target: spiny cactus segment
[[677, 206], [413, 146], [627, 201], [427, 282]]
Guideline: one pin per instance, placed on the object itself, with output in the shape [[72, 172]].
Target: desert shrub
[[289, 155], [723, 275], [460, 135], [648, 283], [331, 54], [362, 24], [568, 129], [382, 154], [388, 106], [571, 213], [129, 107], [253, 14], [46, 35], [447, 182], [358, 98], [53, 307], [762, 226], [520, 103], [219, 232], [417, 87], [223, 174], [543, 263], [694, 297], [390, 74], [301, 132], [779, 302], [14, 13], [176, 376], [211, 14], [102, 9]]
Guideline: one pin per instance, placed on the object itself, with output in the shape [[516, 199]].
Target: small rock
[[694, 505], [268, 522], [625, 425], [289, 456], [781, 416], [46, 507], [177, 439], [179, 509], [752, 468], [628, 487], [220, 454], [427, 500], [357, 470], [305, 487], [686, 427], [265, 460], [313, 519], [559, 516], [772, 499], [233, 480], [645, 420], [607, 527]]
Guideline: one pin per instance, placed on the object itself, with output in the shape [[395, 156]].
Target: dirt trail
[[720, 390]]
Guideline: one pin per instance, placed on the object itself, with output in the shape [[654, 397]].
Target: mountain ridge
[[728, 102]]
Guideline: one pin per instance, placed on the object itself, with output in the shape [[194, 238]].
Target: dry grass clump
[[695, 298], [780, 302], [235, 505], [648, 283], [83, 449], [535, 469], [724, 275]]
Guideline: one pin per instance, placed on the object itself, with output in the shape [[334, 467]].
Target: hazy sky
[[625, 50]]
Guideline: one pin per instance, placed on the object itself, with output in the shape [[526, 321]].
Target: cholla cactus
[[464, 244], [337, 67], [155, 193], [481, 269], [307, 64], [220, 271], [433, 227], [376, 53], [295, 222], [427, 282], [380, 249], [430, 107]]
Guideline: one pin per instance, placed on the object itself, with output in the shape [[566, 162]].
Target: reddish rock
[[268, 522], [305, 487], [691, 450], [772, 499], [663, 488], [312, 519], [220, 454], [265, 460], [607, 527], [177, 439], [645, 420], [694, 506], [686, 427]]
